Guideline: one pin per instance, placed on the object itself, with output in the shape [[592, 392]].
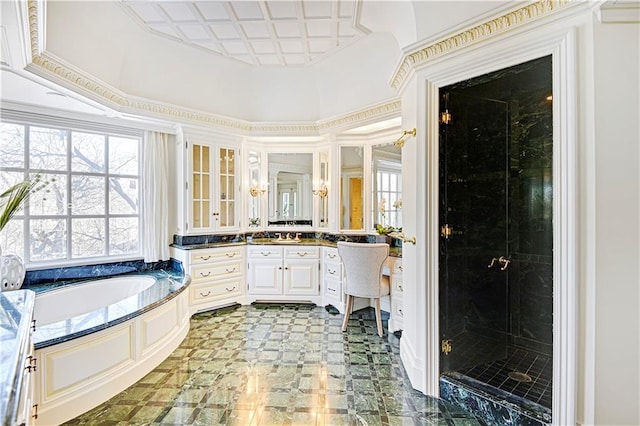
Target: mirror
[[255, 189], [323, 199], [386, 168], [290, 192], [351, 188]]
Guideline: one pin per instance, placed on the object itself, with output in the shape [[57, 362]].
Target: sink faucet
[[279, 235], [288, 236], [298, 236]]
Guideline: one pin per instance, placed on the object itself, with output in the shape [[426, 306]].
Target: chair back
[[363, 267]]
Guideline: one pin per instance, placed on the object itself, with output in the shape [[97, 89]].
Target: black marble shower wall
[[496, 193]]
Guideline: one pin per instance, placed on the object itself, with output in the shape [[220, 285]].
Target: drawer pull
[[205, 275], [302, 254], [233, 254], [332, 272], [400, 287], [400, 312], [400, 267], [265, 254], [230, 289], [229, 271], [35, 411], [205, 257], [205, 295], [331, 255]]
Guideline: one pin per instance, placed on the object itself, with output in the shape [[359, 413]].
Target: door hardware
[[446, 231], [501, 260], [446, 346]]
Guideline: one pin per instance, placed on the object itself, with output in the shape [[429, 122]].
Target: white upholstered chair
[[363, 275]]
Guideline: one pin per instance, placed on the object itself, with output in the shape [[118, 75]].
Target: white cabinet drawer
[[332, 270], [219, 270], [304, 252], [205, 293], [265, 252], [331, 254], [215, 254], [333, 288], [397, 286]]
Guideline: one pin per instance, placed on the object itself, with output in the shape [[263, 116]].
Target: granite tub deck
[[169, 284]]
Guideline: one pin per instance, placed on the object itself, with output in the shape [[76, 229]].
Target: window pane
[[11, 145], [47, 239], [88, 237], [123, 196], [52, 200], [87, 152], [123, 156], [12, 237], [7, 180], [123, 235], [47, 149], [87, 195]]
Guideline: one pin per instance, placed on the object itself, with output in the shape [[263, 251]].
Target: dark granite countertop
[[321, 242], [16, 309], [169, 284]]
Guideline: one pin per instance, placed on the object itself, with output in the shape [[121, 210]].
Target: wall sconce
[[400, 141], [255, 191], [322, 192]]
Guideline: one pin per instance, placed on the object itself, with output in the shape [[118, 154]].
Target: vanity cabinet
[[332, 278], [217, 276], [211, 186], [396, 314], [291, 273]]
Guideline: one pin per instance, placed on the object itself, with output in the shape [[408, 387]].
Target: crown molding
[[421, 55], [57, 70]]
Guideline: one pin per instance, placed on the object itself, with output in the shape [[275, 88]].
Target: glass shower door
[[473, 225]]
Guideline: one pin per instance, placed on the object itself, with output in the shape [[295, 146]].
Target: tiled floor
[[278, 365]]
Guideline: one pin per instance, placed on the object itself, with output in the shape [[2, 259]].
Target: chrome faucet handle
[[279, 235]]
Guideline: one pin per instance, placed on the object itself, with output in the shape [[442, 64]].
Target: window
[[388, 194], [90, 207]]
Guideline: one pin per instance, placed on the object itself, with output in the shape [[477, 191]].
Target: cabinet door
[[213, 193], [265, 276], [301, 277]]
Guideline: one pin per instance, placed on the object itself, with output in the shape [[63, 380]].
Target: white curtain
[[155, 194]]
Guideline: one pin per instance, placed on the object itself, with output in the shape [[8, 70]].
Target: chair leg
[[378, 317], [347, 312]]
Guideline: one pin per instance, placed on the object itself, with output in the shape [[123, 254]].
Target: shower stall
[[495, 277]]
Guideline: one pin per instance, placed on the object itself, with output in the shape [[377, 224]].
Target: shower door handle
[[501, 260]]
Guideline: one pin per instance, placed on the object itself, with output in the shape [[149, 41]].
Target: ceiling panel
[[262, 33]]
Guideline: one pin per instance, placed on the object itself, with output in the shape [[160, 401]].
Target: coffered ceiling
[[261, 33]]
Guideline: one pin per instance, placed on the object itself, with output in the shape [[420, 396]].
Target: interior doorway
[[496, 245]]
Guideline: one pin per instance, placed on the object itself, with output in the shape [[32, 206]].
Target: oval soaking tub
[[96, 338]]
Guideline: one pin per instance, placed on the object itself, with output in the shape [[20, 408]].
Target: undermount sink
[[284, 241]]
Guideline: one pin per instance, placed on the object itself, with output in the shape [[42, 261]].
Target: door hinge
[[446, 231], [446, 346], [445, 117]]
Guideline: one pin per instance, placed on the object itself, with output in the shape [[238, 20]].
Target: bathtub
[[95, 339], [76, 300]]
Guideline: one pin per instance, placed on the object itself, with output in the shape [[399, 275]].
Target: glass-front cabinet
[[211, 186]]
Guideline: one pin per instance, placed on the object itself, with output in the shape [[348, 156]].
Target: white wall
[[617, 223]]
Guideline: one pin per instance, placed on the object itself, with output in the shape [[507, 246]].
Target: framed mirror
[[290, 189], [255, 189], [351, 188], [386, 169]]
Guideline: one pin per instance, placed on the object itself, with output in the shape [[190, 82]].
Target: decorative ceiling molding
[[55, 69], [499, 25]]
